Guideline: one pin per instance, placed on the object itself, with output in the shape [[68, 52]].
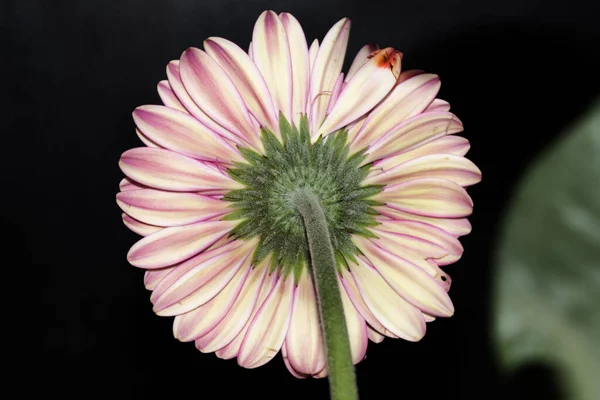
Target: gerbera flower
[[239, 134]]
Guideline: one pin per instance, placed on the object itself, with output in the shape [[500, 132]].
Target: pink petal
[[247, 79], [415, 132], [146, 140], [185, 99], [335, 92], [392, 311], [219, 99], [201, 283], [325, 71], [369, 85], [430, 197], [300, 65], [168, 97], [152, 277], [360, 59], [407, 99], [239, 314], [127, 184], [286, 361], [172, 245], [198, 322], [357, 328], [180, 132], [271, 54], [312, 55], [232, 349], [420, 233], [446, 166], [455, 226], [139, 227], [438, 105], [167, 170], [269, 326], [157, 207], [408, 280], [304, 340]]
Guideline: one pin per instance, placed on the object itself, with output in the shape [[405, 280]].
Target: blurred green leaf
[[547, 270]]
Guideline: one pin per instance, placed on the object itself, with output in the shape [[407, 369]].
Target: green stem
[[342, 383]]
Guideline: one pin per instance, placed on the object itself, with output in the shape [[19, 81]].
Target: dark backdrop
[[515, 71]]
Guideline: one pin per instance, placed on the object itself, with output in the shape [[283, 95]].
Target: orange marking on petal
[[388, 58]]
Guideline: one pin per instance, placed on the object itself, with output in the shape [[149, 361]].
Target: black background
[[515, 72]]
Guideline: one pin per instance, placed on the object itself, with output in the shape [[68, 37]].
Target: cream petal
[[357, 328], [269, 326], [394, 313], [438, 105], [304, 339], [428, 318], [423, 234], [271, 54], [168, 97], [220, 100], [177, 86], [408, 280], [325, 71], [300, 65], [375, 336], [407, 99], [145, 139], [312, 54], [198, 322], [232, 349], [430, 197], [127, 184], [201, 283], [175, 244], [157, 207], [369, 85], [247, 79], [152, 277], [286, 361], [415, 132], [139, 227], [361, 57], [446, 166], [335, 92], [167, 170], [239, 314], [455, 226], [181, 132]]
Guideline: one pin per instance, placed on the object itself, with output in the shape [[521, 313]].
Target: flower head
[[238, 134]]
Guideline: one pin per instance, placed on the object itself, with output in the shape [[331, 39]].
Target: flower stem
[[342, 383]]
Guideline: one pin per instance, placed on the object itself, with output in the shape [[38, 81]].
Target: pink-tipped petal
[[269, 326], [271, 54], [232, 349], [369, 85], [196, 323], [146, 140], [168, 97], [238, 316], [138, 227], [325, 71], [172, 245], [185, 99], [415, 132], [304, 340], [357, 328], [167, 170], [300, 64], [312, 54], [212, 90], [407, 99], [446, 166], [408, 280], [360, 59], [391, 310], [179, 131], [374, 336], [416, 234], [127, 184], [438, 105], [152, 277], [430, 197], [203, 282], [454, 226], [157, 207], [247, 79]]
